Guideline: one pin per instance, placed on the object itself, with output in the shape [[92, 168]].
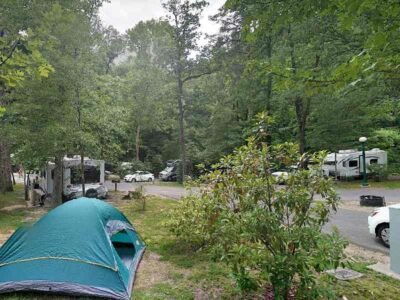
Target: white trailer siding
[[47, 180], [349, 163]]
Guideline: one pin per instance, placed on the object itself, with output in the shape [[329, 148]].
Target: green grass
[[13, 198], [188, 271], [9, 220], [388, 184], [171, 270], [168, 183], [371, 286]]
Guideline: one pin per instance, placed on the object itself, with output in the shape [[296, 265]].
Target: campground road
[[165, 191], [175, 192], [352, 224], [391, 195]]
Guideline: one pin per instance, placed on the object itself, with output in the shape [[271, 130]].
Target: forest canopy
[[325, 72]]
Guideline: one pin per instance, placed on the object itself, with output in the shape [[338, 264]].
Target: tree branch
[[12, 50], [190, 77]]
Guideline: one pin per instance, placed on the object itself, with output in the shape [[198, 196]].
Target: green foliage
[[260, 230], [389, 140], [379, 172]]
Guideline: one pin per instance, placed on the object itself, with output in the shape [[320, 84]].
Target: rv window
[[344, 164], [329, 163], [52, 174], [373, 161], [353, 163]]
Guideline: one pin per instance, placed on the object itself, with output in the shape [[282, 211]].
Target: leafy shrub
[[261, 230], [379, 171]]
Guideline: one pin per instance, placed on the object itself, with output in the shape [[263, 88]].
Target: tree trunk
[[26, 187], [269, 77], [181, 129], [5, 168], [83, 171], [269, 87], [58, 180], [302, 107], [137, 143]]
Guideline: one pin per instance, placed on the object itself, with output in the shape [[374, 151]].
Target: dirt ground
[[359, 254], [355, 205]]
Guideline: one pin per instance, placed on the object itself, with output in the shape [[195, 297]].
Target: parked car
[[379, 225], [107, 174], [169, 174], [139, 176], [281, 176]]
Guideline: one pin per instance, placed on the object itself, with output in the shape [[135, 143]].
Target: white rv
[[349, 163], [72, 187]]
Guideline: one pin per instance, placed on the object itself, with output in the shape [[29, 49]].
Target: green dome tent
[[84, 247]]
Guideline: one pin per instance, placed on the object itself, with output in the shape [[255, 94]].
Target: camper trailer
[[349, 163], [72, 187]]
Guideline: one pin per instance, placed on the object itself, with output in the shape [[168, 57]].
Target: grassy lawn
[[13, 198], [170, 270], [168, 183], [11, 219], [388, 184], [371, 286]]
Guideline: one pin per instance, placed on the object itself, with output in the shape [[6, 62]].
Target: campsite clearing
[[171, 270]]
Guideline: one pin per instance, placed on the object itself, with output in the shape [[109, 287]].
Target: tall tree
[[184, 16]]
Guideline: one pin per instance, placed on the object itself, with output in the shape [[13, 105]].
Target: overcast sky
[[125, 14]]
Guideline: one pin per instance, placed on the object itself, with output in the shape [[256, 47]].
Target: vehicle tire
[[150, 179], [91, 193], [383, 233], [133, 180]]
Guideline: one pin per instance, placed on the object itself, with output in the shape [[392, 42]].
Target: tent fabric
[[70, 250]]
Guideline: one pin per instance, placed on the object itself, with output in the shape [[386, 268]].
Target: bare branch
[[209, 72]]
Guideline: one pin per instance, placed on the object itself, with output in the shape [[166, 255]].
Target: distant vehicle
[[283, 174], [379, 223], [169, 173], [349, 163], [139, 176], [107, 174], [72, 187]]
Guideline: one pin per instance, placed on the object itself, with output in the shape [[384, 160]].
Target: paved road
[[353, 225], [171, 192], [391, 195]]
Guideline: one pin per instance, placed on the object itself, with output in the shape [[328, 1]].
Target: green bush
[[378, 172], [264, 231]]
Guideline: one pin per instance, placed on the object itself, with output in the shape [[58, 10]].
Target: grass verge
[[13, 198], [356, 184]]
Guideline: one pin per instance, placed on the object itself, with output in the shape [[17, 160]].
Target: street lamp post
[[362, 140]]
